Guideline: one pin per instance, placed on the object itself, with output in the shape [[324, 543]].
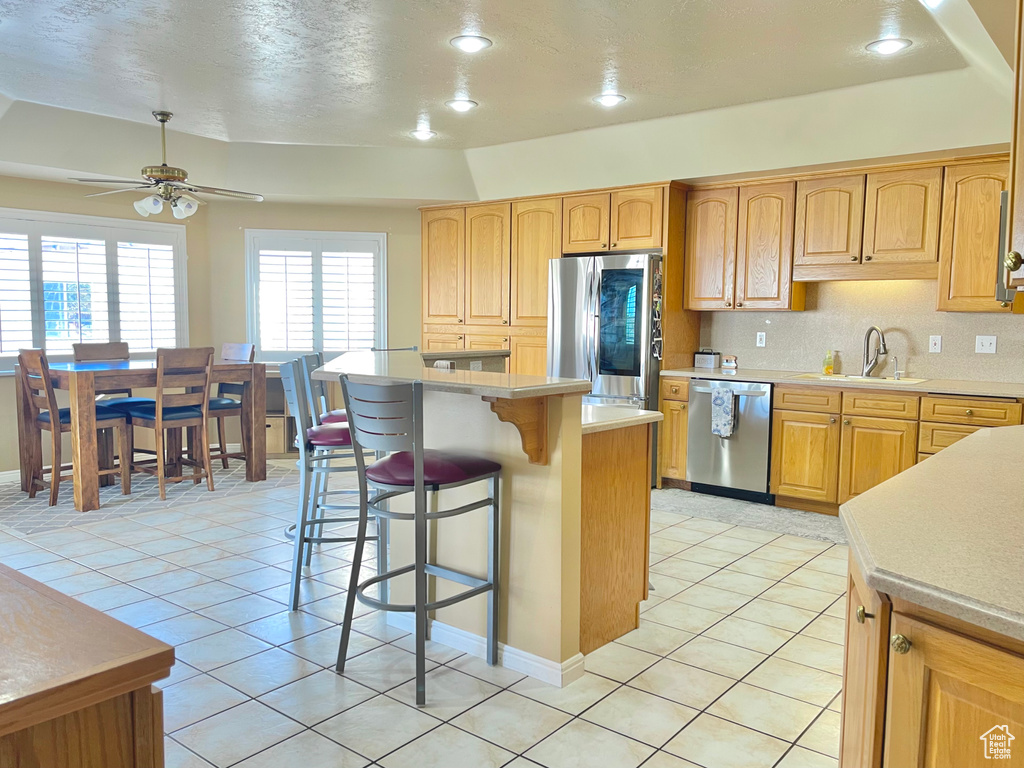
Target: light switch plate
[[985, 345], [760, 338], [934, 343]]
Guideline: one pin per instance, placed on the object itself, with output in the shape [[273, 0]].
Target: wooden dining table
[[82, 379]]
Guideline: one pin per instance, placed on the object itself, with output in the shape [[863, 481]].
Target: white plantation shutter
[[15, 294], [66, 279], [315, 292], [75, 306]]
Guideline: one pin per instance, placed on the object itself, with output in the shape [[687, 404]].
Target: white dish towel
[[723, 403]]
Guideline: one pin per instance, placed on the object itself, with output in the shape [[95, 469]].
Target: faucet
[[870, 363]]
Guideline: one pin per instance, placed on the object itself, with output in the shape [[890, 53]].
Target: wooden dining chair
[[34, 371], [223, 407], [189, 368]]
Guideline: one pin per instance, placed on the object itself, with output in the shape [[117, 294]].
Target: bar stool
[[390, 418], [321, 448]]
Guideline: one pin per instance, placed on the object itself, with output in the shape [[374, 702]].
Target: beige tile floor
[[736, 664]]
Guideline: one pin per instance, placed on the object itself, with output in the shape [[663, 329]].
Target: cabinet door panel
[[711, 248], [585, 220], [483, 341], [433, 342], [969, 242], [864, 674], [536, 239], [829, 220], [901, 215], [805, 455], [488, 263], [873, 450], [444, 265], [946, 694], [636, 218], [529, 355], [764, 251], [672, 441]]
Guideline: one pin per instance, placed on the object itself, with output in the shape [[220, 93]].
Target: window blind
[[146, 299], [349, 302], [286, 300], [15, 294], [74, 292]]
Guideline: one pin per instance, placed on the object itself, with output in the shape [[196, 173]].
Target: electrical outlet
[[934, 343], [985, 345], [760, 338]]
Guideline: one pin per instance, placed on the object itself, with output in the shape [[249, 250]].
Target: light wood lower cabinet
[[443, 341], [529, 355], [672, 445], [805, 455], [474, 341], [873, 450]]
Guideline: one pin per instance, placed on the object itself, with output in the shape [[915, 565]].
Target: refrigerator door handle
[[594, 318]]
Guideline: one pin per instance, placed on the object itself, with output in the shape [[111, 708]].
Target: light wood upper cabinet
[[529, 355], [805, 455], [764, 250], [636, 218], [536, 239], [711, 248], [488, 263], [829, 220], [485, 341], [969, 242], [946, 693], [672, 440], [864, 673], [443, 233], [585, 223], [873, 450], [901, 215]]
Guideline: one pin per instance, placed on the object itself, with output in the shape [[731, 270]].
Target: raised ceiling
[[363, 72]]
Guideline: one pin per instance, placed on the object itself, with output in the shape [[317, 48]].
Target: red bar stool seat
[[329, 436], [439, 468]]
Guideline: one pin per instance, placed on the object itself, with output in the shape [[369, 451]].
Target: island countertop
[[601, 418], [407, 366], [948, 533]]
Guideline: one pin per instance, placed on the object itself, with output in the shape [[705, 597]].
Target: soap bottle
[[828, 366]]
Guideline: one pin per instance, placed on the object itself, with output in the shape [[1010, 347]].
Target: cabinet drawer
[[934, 437], [675, 389], [816, 399], [887, 406], [982, 413], [277, 434]]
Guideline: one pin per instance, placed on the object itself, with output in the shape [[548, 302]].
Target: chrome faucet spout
[[870, 361]]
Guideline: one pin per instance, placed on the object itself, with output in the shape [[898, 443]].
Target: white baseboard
[[542, 669], [10, 475]]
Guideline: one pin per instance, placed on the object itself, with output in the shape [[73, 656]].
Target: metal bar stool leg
[[305, 485], [353, 582], [492, 573], [421, 595]]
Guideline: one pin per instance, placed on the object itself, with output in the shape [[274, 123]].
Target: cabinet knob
[[505, 340], [614, 244], [739, 303], [604, 245], [900, 644], [867, 258], [675, 390], [970, 412], [1013, 261], [846, 422], [459, 338], [832, 420], [862, 614], [854, 258], [728, 303], [504, 322], [682, 407], [459, 320]]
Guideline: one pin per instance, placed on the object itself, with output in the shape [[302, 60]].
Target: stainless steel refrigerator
[[604, 324]]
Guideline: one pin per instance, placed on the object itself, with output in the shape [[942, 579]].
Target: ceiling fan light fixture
[[149, 205], [183, 207]]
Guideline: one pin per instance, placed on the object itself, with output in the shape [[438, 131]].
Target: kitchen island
[[935, 621], [575, 504]]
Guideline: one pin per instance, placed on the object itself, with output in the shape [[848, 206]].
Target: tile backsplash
[[838, 314]]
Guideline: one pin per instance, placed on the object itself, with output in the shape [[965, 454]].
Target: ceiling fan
[[169, 184]]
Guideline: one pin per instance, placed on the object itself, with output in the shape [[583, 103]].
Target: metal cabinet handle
[[970, 412], [867, 258], [459, 320], [682, 407], [1013, 261], [459, 338], [614, 244], [862, 614], [604, 245], [854, 258], [846, 422], [675, 390], [504, 322], [728, 303], [739, 303], [832, 420], [900, 644]]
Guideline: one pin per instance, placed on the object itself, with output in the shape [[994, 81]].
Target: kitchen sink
[[840, 378]]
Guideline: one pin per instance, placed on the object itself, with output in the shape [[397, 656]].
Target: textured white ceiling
[[361, 72]]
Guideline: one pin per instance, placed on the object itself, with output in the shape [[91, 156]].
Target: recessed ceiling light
[[470, 43], [423, 134], [461, 105], [933, 4], [609, 99], [889, 45]]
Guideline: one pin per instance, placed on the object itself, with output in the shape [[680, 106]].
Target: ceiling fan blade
[[117, 191], [107, 181], [224, 192]]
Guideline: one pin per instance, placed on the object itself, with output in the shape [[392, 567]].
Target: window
[[315, 291], [66, 279]]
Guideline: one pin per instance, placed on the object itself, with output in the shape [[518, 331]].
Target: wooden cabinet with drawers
[[944, 420], [673, 430]]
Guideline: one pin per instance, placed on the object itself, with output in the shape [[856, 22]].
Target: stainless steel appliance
[[737, 465], [604, 324]]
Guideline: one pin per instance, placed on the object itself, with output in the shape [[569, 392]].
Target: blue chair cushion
[[124, 404], [223, 403], [65, 415], [170, 414]]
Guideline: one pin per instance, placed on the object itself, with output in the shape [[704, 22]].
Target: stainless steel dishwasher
[[734, 466]]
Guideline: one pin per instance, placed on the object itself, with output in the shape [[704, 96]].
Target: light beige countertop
[[601, 418], [948, 533], [463, 354], [403, 367], [927, 386]]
